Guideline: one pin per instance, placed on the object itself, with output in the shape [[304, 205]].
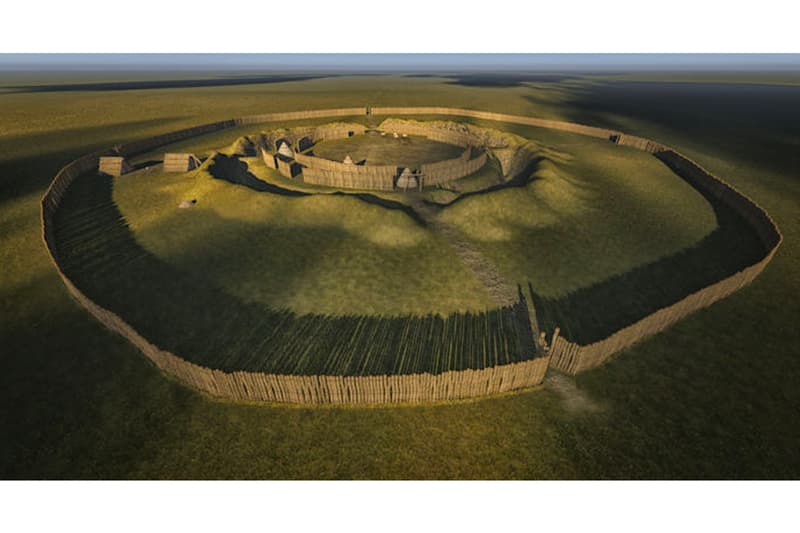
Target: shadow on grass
[[160, 84], [499, 79], [593, 313], [141, 165], [753, 123], [230, 168], [50, 150], [522, 179], [189, 315]]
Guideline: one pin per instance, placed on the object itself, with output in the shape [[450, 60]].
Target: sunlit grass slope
[[588, 203], [590, 211], [186, 312], [311, 254]]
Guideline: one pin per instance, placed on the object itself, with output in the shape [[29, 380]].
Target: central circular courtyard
[[381, 148]]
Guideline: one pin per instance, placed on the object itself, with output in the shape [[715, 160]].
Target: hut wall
[[287, 168], [175, 162], [269, 159], [113, 165]]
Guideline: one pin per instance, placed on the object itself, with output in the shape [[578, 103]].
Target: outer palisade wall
[[281, 388], [498, 117], [302, 389], [572, 358], [567, 356], [301, 115]]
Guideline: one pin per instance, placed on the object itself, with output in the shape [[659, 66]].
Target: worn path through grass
[[502, 292]]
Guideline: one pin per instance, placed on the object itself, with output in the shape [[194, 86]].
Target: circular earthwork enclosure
[[394, 255]]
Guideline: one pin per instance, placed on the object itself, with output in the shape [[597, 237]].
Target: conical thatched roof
[[285, 150], [348, 160], [406, 180]]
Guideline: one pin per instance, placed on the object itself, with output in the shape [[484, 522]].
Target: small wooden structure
[[176, 162], [287, 166], [305, 143], [269, 159], [285, 150], [408, 180], [113, 166]]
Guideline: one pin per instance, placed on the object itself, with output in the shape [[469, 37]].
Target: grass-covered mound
[[319, 253], [573, 201], [374, 149], [191, 312], [589, 210]]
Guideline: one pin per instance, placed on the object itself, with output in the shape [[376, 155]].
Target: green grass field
[[714, 396], [589, 203]]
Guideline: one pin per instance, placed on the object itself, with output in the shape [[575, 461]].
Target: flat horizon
[[402, 62]]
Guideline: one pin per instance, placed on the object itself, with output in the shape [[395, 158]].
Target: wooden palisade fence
[[451, 385]]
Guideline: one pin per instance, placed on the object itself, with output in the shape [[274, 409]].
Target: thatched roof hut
[[407, 180], [180, 162], [285, 150], [269, 158], [113, 166]]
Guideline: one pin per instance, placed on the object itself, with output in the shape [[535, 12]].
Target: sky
[[403, 62]]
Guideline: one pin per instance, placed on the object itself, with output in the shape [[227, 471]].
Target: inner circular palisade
[[380, 148], [351, 259]]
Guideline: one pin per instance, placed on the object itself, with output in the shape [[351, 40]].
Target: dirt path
[[502, 292], [573, 399]]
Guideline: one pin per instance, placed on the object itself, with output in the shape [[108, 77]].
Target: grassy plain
[[715, 396]]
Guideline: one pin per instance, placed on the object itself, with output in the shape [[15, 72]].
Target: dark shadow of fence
[[593, 313], [231, 169], [161, 84], [523, 178], [189, 315]]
